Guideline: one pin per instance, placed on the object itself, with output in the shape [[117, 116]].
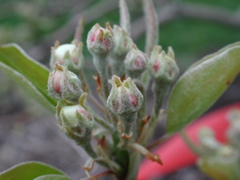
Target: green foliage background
[[28, 22]]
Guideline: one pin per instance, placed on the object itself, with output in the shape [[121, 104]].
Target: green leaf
[[201, 85], [30, 74], [29, 171], [52, 177]]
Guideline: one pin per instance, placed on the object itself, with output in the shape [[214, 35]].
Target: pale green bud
[[125, 99], [162, 66], [76, 121], [69, 55], [64, 85]]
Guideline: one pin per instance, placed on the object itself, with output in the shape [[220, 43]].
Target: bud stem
[[87, 146], [150, 127], [100, 64], [128, 129], [135, 161], [160, 90], [132, 75], [194, 148], [103, 123], [118, 67], [140, 86]]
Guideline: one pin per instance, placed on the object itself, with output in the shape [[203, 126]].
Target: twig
[[103, 123], [151, 26], [174, 11], [125, 22], [79, 29], [158, 142], [97, 103]]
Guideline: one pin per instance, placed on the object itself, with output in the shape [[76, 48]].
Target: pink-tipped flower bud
[[122, 43], [100, 40], [64, 85], [135, 62], [69, 55], [162, 66], [76, 121], [125, 99]]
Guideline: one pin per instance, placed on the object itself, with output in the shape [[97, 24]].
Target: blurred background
[[194, 28]]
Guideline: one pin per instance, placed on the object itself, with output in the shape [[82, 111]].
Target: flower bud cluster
[[114, 50], [74, 118]]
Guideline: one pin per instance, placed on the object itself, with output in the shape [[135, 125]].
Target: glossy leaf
[[201, 85], [27, 72], [52, 177], [29, 171]]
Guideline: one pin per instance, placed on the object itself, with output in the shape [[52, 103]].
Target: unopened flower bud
[[76, 121], [208, 140], [135, 62], [64, 85], [122, 43], [125, 99], [162, 66], [69, 55], [100, 40]]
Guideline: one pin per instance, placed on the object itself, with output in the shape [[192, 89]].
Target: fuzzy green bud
[[162, 66], [76, 121], [122, 43], [100, 40], [69, 55], [64, 85], [125, 99], [135, 62]]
